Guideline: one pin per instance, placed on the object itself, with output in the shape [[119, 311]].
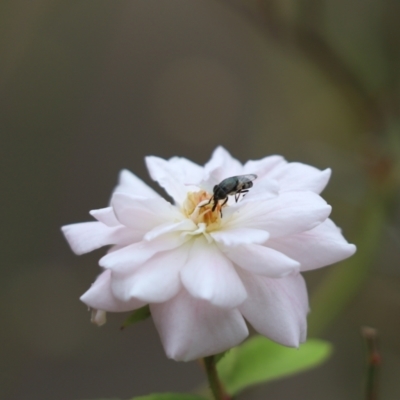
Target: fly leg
[[211, 199], [237, 194], [216, 203], [220, 210], [225, 201]]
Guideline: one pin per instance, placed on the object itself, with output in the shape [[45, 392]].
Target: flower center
[[196, 208]]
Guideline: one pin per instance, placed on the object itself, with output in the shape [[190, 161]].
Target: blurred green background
[[90, 87]]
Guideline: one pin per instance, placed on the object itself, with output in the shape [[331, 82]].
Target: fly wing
[[246, 178], [245, 181]]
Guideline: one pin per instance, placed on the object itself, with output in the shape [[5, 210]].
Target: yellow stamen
[[196, 208]]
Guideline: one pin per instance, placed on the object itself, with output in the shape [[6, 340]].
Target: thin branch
[[373, 362], [300, 37]]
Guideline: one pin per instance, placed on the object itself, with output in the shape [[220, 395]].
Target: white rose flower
[[205, 272]]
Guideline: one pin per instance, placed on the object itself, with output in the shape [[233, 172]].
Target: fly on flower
[[235, 185], [205, 277]]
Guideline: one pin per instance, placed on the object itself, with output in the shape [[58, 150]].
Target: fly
[[235, 185]]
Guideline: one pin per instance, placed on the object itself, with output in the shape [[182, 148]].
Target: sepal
[[138, 315]]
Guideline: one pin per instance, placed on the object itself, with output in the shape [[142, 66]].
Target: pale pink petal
[[209, 275], [106, 216], [262, 190], [262, 167], [100, 296], [191, 328], [175, 176], [127, 259], [168, 227], [130, 257], [287, 214], [88, 236], [260, 193], [221, 166], [238, 236], [155, 281], [297, 176], [321, 246], [186, 171], [129, 183], [262, 260], [277, 308], [141, 213]]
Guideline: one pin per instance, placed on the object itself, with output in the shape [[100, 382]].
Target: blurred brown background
[[90, 87]]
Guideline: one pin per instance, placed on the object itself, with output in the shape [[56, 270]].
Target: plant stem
[[373, 363], [213, 379]]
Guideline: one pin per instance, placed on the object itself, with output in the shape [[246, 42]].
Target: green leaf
[[138, 315], [260, 360], [218, 357], [170, 396]]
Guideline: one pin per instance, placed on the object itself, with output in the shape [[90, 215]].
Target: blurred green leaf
[[220, 356], [260, 360], [170, 396], [138, 315]]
